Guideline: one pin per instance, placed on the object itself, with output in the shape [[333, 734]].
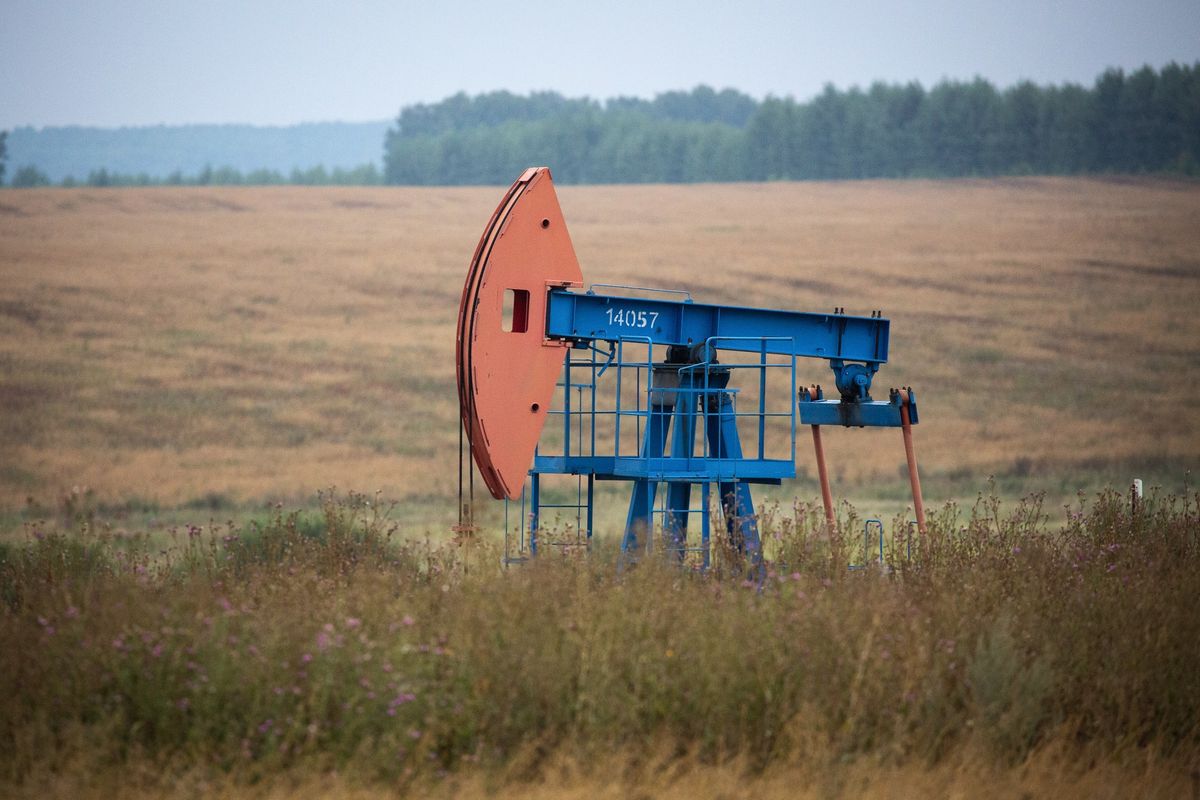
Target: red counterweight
[[507, 367]]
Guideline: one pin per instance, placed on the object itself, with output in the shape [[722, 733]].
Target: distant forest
[[307, 153], [1143, 121]]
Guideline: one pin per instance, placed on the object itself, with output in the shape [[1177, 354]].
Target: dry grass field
[[1010, 657], [171, 359], [220, 347]]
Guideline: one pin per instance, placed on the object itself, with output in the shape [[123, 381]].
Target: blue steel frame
[[680, 396], [592, 317]]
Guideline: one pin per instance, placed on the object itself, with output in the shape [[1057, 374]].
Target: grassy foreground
[[327, 653]]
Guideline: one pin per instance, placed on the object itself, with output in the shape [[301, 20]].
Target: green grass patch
[[326, 639]]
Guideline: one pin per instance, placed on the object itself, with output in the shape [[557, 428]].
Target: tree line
[[365, 175], [187, 151], [1144, 121]]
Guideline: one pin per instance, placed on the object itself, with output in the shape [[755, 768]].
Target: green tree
[[824, 144], [1015, 144], [28, 177], [265, 177], [100, 178], [892, 142], [1141, 146], [1106, 124], [771, 141], [3, 154], [1170, 105], [1067, 140], [957, 125]]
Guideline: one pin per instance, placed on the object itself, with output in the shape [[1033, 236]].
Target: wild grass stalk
[[326, 642]]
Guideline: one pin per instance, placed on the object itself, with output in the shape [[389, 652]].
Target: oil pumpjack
[[634, 377]]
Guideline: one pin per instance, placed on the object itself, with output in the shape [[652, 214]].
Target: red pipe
[[910, 453], [822, 473]]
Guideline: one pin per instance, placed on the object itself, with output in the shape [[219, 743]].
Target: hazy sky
[[139, 62]]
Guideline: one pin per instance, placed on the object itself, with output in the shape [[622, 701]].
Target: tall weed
[[325, 641]]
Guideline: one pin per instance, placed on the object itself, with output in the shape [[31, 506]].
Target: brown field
[[1047, 775], [241, 346], [170, 353]]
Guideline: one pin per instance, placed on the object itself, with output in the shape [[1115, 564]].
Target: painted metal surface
[[815, 409], [907, 420], [506, 376], [608, 362], [698, 398], [670, 322], [813, 393]]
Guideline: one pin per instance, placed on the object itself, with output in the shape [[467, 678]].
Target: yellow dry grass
[[1047, 774], [166, 343]]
